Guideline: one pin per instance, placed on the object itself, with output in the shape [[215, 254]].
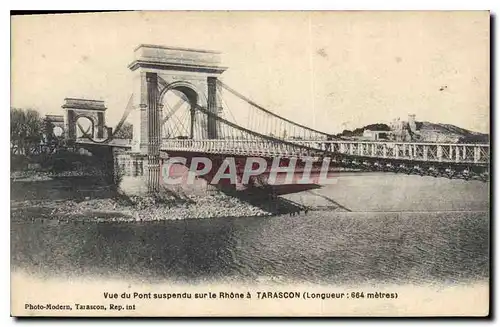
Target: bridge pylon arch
[[158, 69], [191, 95], [93, 110]]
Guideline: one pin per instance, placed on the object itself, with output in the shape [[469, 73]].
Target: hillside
[[436, 132], [427, 132]]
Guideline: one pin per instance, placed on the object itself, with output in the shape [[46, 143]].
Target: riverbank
[[89, 198], [136, 209], [44, 196]]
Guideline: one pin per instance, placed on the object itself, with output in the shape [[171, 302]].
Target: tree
[[125, 132], [26, 130]]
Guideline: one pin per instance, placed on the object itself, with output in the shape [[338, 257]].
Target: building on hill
[[376, 135], [405, 131], [413, 131]]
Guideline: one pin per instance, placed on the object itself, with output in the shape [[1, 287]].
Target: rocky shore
[[89, 206], [139, 209]]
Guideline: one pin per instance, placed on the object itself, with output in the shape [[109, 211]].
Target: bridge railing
[[232, 146], [431, 152], [435, 152]]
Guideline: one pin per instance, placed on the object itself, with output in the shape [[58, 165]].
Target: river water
[[382, 236]]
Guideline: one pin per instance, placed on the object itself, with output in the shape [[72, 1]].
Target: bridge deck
[[426, 152], [474, 154]]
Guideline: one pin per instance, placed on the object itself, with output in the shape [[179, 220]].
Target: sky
[[326, 70]]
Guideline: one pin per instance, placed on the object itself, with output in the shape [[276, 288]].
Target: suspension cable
[[244, 98], [126, 113], [252, 133]]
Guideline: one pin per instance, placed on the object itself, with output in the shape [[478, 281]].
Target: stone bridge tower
[[93, 110], [158, 69]]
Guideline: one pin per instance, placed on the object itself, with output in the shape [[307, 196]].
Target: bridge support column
[[154, 133], [212, 107], [70, 127], [100, 125]]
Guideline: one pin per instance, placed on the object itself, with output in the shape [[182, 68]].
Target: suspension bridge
[[180, 107]]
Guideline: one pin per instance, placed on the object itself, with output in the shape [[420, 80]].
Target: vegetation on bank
[[35, 147], [26, 130], [125, 132]]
